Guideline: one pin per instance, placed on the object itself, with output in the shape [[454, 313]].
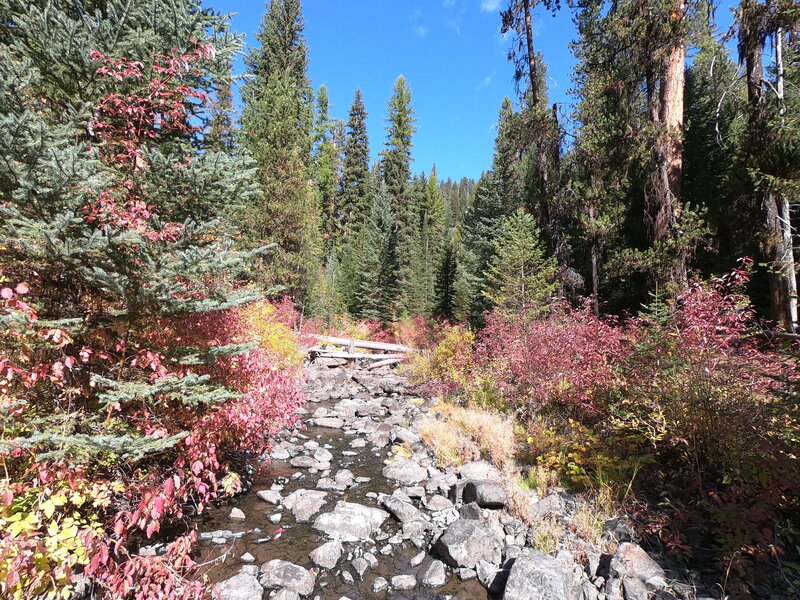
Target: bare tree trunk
[[526, 7]]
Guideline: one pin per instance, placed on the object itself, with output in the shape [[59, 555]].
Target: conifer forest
[[608, 315]]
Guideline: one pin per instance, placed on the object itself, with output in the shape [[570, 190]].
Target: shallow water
[[293, 541]]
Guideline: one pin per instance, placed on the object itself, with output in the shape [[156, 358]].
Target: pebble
[[237, 514]]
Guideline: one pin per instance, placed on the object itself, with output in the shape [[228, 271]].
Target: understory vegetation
[[685, 416]]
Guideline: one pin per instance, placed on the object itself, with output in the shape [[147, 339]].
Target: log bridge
[[388, 354]]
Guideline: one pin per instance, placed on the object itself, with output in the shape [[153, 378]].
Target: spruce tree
[[327, 162], [432, 239], [520, 280], [396, 172], [277, 124], [116, 226], [378, 285], [354, 195]]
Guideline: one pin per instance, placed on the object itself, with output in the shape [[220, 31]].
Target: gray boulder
[[350, 522], [270, 496], [465, 543], [327, 555], [537, 576], [631, 560], [404, 511], [238, 587], [329, 422], [404, 582], [407, 472], [480, 469], [435, 575], [304, 504], [487, 494], [278, 574]]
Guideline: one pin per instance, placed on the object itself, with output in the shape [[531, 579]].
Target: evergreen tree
[[354, 195], [221, 135], [520, 280], [115, 221], [277, 124], [396, 172], [432, 239], [327, 161], [378, 285]]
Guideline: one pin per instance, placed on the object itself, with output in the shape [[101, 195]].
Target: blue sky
[[450, 52]]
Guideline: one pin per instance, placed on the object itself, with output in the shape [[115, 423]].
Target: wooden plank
[[367, 344], [384, 363], [353, 355]]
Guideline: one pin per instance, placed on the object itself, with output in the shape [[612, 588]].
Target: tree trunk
[[666, 212], [526, 7]]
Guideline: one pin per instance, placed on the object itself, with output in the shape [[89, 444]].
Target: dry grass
[[458, 435]]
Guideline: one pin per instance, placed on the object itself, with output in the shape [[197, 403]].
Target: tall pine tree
[[277, 128]]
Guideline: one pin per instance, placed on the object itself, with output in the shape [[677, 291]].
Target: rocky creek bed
[[332, 520]]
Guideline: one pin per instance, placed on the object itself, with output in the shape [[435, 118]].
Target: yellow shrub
[[277, 340]]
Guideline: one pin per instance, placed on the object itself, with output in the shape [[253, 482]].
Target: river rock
[[435, 575], [303, 462], [350, 522], [224, 534], [282, 574], [537, 576], [322, 455], [280, 453], [379, 584], [237, 514], [344, 477], [631, 560], [304, 504], [404, 582], [438, 502], [327, 555], [471, 512], [270, 496], [407, 472], [329, 422], [481, 470], [464, 543], [487, 494], [360, 566], [238, 587], [404, 511], [549, 505]]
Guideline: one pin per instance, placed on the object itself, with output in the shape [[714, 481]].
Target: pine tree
[[327, 160], [277, 124], [355, 193], [396, 172], [520, 280], [432, 239], [378, 286]]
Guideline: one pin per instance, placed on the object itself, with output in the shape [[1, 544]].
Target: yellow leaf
[[48, 508]]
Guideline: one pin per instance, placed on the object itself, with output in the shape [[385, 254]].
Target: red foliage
[[571, 357]]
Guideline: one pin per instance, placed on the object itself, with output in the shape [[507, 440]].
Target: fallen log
[[384, 363], [367, 344], [353, 355]]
